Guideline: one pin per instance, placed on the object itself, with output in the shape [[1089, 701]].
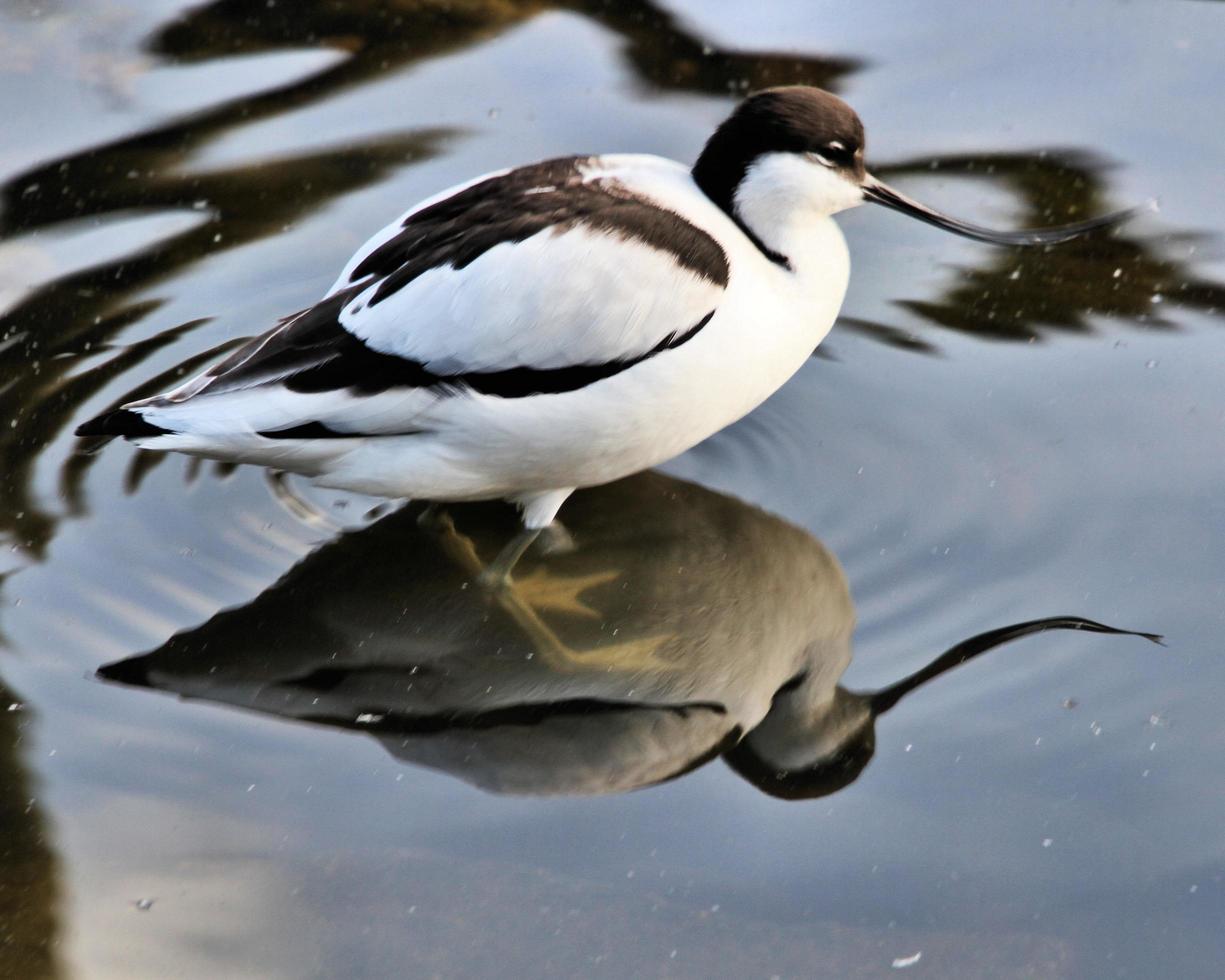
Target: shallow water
[[988, 437]]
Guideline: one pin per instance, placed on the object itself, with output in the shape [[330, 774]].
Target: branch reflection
[[1022, 293]]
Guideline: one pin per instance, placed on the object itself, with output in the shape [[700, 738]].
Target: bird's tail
[[126, 422]]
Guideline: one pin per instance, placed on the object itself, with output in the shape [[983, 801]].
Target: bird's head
[[798, 152]]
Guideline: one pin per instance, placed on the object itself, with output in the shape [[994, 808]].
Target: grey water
[[237, 735]]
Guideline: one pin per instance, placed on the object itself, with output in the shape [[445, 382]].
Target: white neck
[[782, 196]]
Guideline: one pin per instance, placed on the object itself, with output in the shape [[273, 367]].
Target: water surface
[[987, 437]]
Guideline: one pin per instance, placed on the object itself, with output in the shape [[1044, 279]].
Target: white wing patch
[[553, 300], [556, 310]]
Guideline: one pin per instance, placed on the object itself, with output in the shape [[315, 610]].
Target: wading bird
[[558, 325]]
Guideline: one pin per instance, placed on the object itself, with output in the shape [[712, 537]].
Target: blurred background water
[[988, 436]]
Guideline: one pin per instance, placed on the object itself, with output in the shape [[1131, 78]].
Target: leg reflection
[[542, 590]]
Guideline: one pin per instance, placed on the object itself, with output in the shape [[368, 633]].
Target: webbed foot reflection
[[684, 626], [541, 590], [559, 594]]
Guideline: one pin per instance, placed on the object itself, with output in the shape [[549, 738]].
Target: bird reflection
[[681, 625]]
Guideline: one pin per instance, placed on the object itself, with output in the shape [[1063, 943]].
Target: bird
[[557, 325]]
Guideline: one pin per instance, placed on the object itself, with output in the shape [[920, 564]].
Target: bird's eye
[[839, 152], [835, 153]]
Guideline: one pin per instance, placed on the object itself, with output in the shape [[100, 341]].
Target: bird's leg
[[496, 575], [434, 518], [542, 591], [496, 578], [539, 508], [459, 548]]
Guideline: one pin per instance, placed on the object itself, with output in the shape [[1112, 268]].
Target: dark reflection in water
[[1019, 293], [383, 35], [43, 340], [682, 626], [29, 885]]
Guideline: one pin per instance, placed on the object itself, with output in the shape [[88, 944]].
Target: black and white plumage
[[553, 326]]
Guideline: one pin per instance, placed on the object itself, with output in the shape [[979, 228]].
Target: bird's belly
[[630, 421], [755, 343]]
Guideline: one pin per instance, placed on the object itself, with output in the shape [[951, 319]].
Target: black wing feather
[[312, 351]]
